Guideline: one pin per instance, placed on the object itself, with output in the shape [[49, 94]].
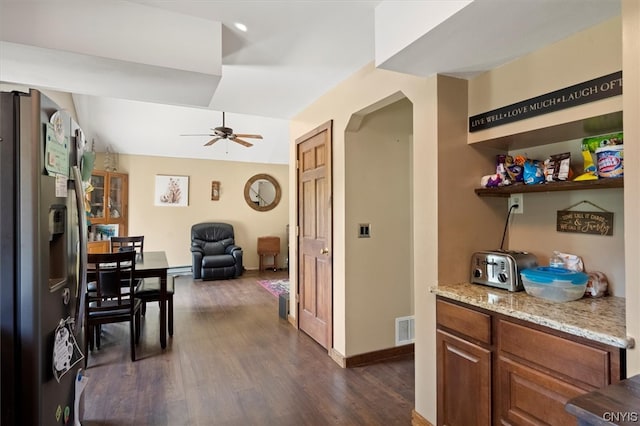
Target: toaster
[[501, 268]]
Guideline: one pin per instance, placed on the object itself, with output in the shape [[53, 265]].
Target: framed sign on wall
[[585, 222]]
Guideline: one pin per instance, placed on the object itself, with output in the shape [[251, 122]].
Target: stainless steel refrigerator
[[42, 260]]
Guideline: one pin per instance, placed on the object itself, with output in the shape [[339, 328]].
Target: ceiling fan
[[223, 132]]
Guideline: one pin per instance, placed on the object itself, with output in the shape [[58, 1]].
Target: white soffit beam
[[71, 72], [489, 33], [398, 24], [111, 43]]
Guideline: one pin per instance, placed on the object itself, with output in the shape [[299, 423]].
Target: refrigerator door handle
[[82, 252]]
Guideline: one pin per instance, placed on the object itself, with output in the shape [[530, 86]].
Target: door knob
[[324, 251]]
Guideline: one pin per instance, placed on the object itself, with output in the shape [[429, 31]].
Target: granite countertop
[[601, 319]]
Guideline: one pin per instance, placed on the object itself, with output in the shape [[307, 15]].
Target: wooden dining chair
[[132, 243], [125, 243], [111, 302], [149, 291]]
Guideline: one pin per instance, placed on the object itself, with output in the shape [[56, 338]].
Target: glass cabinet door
[[96, 197], [116, 196]]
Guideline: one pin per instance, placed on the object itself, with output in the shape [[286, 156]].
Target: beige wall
[[601, 50], [584, 56], [535, 230], [365, 88], [631, 102], [581, 57], [169, 228], [378, 187], [466, 222]]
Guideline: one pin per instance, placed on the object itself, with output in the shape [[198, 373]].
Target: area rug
[[275, 287]]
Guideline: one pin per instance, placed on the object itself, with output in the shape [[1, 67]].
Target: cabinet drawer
[[577, 361], [474, 324], [529, 397]]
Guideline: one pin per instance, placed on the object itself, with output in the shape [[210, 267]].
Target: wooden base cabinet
[[464, 382], [464, 362], [494, 369], [98, 247], [539, 373]]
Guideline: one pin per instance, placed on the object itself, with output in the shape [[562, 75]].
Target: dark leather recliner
[[214, 253]]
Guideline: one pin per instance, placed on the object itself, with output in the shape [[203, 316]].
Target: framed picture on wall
[[104, 232], [215, 190], [172, 191]]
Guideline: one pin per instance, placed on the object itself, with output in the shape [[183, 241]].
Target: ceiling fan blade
[[243, 135], [212, 141], [241, 142]]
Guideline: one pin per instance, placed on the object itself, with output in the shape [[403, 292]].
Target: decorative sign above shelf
[[578, 94]]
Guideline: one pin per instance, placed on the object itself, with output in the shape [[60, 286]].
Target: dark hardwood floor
[[233, 361]]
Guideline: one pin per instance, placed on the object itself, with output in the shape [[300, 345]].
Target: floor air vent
[[405, 330]]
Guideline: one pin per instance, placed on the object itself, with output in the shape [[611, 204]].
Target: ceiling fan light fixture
[[224, 132], [239, 25]]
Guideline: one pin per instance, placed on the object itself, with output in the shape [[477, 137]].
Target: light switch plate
[[364, 230]]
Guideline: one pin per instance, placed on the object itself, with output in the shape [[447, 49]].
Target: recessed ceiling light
[[242, 27]]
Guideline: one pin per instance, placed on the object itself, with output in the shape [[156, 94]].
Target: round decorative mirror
[[262, 192]]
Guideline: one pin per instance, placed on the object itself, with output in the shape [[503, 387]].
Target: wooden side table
[[268, 246]]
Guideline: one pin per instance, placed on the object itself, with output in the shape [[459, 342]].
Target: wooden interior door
[[315, 302]]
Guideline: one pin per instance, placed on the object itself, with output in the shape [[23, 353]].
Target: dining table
[[152, 264]]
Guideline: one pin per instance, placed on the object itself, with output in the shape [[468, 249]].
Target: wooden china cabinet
[[109, 201]]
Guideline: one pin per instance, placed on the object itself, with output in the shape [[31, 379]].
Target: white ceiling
[[142, 72]]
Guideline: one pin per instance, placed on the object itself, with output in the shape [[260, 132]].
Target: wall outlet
[[516, 199]]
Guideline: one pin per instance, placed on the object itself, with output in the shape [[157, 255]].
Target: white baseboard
[[180, 270]]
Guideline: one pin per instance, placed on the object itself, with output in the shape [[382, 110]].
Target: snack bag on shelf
[[595, 142], [590, 170], [510, 168], [557, 167], [515, 168], [491, 181], [501, 168], [533, 172]]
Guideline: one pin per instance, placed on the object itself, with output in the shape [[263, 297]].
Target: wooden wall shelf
[[505, 191]]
